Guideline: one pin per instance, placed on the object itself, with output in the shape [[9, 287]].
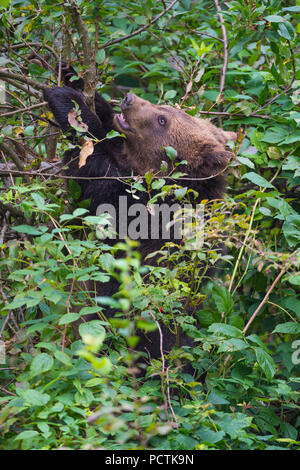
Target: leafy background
[[236, 63]]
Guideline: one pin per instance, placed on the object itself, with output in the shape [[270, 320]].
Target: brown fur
[[194, 139]]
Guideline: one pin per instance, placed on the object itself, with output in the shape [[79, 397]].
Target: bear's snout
[[128, 100]]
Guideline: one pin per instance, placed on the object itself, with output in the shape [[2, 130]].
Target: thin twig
[[175, 425], [24, 110], [14, 157], [264, 299], [90, 73], [233, 115], [4, 74], [12, 210], [117, 178], [28, 90], [286, 89], [140, 30], [162, 360], [225, 46], [35, 44]]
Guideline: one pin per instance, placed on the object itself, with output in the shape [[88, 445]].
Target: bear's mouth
[[121, 120]]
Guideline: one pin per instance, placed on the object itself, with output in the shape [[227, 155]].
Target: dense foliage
[[236, 63]]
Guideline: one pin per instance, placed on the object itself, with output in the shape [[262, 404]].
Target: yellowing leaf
[[18, 131], [43, 123], [87, 149], [73, 121]]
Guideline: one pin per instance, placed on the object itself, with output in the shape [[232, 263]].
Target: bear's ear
[[67, 74], [209, 161], [61, 101], [228, 135], [104, 111]]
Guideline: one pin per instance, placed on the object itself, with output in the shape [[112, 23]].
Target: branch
[[140, 30], [35, 44], [27, 89], [14, 157], [91, 178], [225, 46], [24, 110], [90, 74], [264, 299], [13, 210], [224, 113], [16, 76]]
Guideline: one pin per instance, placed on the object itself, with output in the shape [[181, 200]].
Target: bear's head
[[150, 128]]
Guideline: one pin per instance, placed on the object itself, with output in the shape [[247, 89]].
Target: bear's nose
[[128, 100]]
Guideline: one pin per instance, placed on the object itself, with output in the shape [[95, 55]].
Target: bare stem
[[225, 46], [24, 110], [140, 30], [90, 74], [264, 299]]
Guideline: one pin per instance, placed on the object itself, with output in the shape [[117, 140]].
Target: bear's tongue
[[123, 121]]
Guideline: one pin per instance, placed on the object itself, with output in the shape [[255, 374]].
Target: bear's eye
[[162, 120]]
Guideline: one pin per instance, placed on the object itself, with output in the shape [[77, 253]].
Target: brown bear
[[148, 129]]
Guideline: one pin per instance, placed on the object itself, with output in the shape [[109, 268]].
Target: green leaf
[[265, 211], [288, 327], [35, 398], [295, 9], [222, 299], [79, 211], [227, 330], [205, 434], [246, 161], [274, 135], [146, 325], [40, 364], [274, 19], [171, 152], [93, 382], [63, 357], [113, 134], [292, 163], [157, 184], [291, 303], [257, 179], [100, 56], [265, 362], [107, 261], [27, 229], [89, 310], [93, 328], [170, 94], [69, 318], [294, 280], [286, 31], [232, 344], [292, 138], [291, 230], [26, 435], [180, 193]]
